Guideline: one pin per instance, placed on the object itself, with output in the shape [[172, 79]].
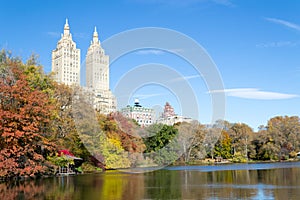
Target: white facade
[[66, 59], [169, 117], [97, 65], [143, 116], [174, 119], [97, 77]]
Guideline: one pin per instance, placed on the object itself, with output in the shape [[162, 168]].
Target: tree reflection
[[163, 184], [241, 184], [276, 183]]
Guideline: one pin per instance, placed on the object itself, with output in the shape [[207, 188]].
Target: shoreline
[[196, 163]]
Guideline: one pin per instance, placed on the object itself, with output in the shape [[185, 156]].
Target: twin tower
[[66, 69]]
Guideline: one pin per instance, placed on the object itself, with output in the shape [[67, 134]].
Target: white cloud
[[53, 34], [284, 23], [278, 44], [150, 51], [224, 2], [83, 35], [254, 93], [176, 50], [157, 51], [184, 78]]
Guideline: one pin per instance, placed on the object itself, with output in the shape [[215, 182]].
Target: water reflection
[[242, 184], [171, 183]]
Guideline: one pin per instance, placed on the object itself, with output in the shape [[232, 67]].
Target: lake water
[[233, 181]]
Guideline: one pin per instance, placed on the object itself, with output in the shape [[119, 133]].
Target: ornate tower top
[[95, 37], [66, 28]]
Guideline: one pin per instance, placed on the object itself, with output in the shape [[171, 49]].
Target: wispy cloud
[[82, 35], [53, 34], [176, 50], [278, 44], [157, 51], [284, 23], [150, 51], [254, 93], [224, 2], [184, 78], [146, 96]]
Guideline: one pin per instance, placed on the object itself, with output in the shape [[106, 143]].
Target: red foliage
[[65, 152], [24, 119], [127, 132]]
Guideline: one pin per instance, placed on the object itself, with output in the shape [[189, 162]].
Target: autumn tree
[[65, 133], [240, 134], [113, 153], [25, 115], [284, 131], [223, 147], [191, 137], [263, 146], [130, 134]]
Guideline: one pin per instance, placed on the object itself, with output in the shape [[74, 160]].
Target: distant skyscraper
[[97, 65], [97, 77], [66, 59]]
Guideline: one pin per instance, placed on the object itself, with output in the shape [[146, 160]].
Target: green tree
[[161, 145], [160, 136]]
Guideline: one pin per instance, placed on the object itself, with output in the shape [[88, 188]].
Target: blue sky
[[254, 44]]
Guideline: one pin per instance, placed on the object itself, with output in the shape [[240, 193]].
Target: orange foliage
[[126, 132], [24, 118]]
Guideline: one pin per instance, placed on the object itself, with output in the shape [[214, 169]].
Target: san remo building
[[66, 69]]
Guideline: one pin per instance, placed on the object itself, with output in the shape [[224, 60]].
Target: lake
[[230, 181]]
